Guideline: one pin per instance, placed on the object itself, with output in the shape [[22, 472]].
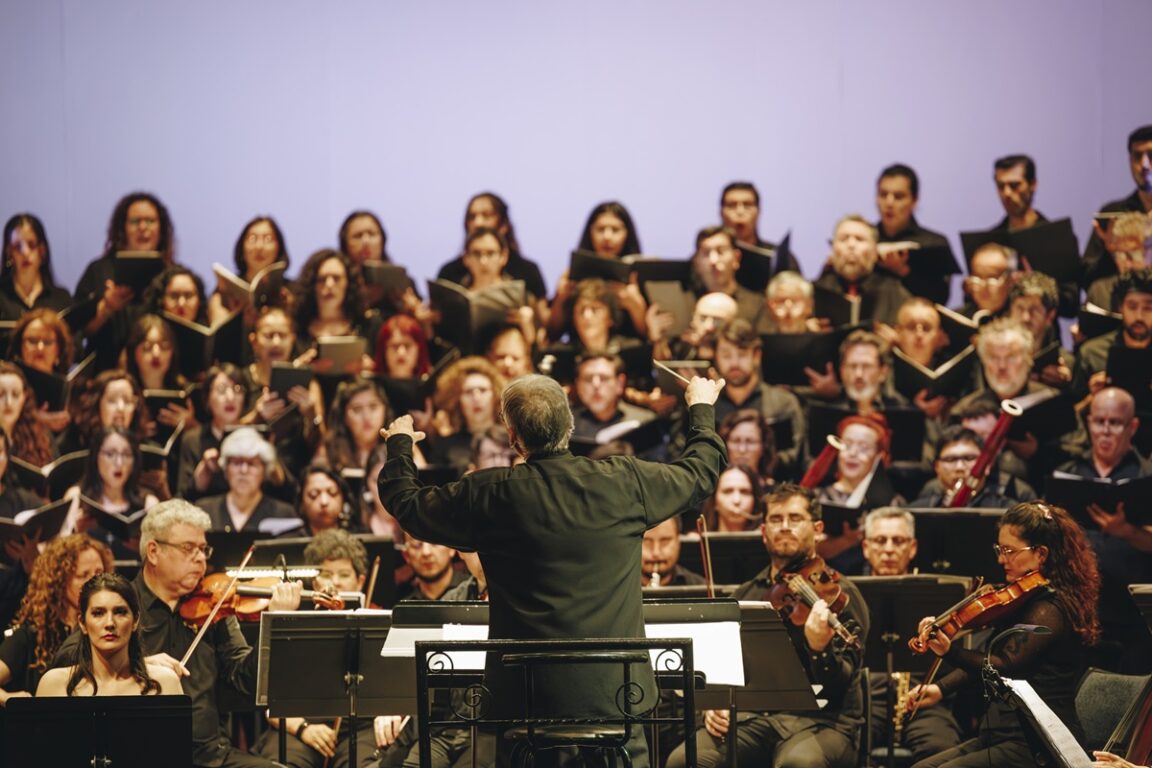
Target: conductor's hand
[[702, 390], [402, 426]]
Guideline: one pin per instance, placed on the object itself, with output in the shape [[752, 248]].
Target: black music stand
[[327, 665], [1142, 596], [897, 603], [736, 557], [99, 731], [957, 542], [774, 676]]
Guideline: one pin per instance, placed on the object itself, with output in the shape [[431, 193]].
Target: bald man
[[1123, 550]]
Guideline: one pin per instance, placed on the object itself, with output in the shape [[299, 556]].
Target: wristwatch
[[300, 729]]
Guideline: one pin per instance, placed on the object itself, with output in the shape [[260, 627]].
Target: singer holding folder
[[1034, 538], [559, 536]]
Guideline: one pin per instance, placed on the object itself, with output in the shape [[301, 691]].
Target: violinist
[[174, 556], [824, 738], [1034, 538]]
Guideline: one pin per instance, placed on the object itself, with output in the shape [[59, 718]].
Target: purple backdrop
[[306, 110]]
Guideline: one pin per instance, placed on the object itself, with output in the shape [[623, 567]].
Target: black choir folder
[[950, 379], [201, 345], [1075, 493], [39, 524], [54, 390], [264, 289], [466, 315], [136, 269]]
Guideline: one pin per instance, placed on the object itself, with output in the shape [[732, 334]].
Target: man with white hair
[[174, 557], [247, 458], [851, 271], [542, 526]]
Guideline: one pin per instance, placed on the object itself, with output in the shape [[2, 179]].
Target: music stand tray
[[113, 731]]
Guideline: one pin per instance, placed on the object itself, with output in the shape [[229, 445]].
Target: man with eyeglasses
[[1123, 550], [827, 737], [991, 272], [174, 557], [889, 548], [956, 452], [1033, 302], [1095, 263]]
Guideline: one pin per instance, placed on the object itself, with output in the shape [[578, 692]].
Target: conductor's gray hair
[[890, 513], [163, 516], [536, 410]]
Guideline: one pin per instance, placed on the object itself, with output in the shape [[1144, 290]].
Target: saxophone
[[902, 681]]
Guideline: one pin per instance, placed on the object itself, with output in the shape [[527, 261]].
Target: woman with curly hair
[[467, 402], [177, 291], [402, 348], [30, 439], [112, 399], [329, 300], [111, 661], [50, 610], [359, 411], [1034, 538]]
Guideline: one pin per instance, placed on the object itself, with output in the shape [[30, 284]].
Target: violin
[[797, 591], [985, 606], [246, 600]]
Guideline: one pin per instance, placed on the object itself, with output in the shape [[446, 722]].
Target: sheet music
[[1055, 734], [715, 648], [401, 642]]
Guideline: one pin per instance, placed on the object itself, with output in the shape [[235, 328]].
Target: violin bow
[[705, 554], [216, 607], [935, 668]]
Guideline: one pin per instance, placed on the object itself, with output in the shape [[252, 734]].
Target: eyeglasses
[[988, 282], [1007, 552], [243, 462], [897, 541], [114, 456], [189, 549], [143, 221], [960, 458], [225, 389], [178, 297], [256, 239]]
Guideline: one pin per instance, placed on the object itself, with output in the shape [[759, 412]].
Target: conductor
[[559, 536]]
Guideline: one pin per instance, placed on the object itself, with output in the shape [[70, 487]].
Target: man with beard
[[432, 571], [1133, 296], [660, 558], [851, 271], [825, 738], [865, 362], [1033, 302], [991, 272], [738, 359], [1004, 347], [1123, 550], [1015, 179], [1096, 264]]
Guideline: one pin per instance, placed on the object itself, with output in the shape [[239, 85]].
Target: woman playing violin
[[1034, 537]]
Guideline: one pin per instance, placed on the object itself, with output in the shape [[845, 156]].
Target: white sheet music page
[[715, 648]]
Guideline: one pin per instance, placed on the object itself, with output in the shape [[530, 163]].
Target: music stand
[[384, 593], [957, 542], [327, 665], [99, 731], [896, 604], [1142, 596], [736, 557]]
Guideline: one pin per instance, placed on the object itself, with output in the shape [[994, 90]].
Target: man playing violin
[[783, 739], [174, 555], [1034, 538]]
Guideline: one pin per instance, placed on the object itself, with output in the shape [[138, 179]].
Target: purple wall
[[306, 110]]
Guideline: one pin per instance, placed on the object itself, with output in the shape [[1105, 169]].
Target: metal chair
[[521, 666]]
